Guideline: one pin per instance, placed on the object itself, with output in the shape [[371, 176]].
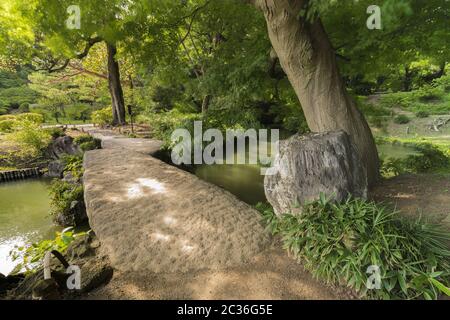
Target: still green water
[[24, 217], [395, 151], [247, 183]]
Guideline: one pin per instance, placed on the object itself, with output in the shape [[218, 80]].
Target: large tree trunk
[[309, 60], [115, 87]]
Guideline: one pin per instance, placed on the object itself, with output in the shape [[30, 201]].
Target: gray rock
[[63, 145], [68, 177], [309, 165], [55, 169], [81, 248], [75, 216]]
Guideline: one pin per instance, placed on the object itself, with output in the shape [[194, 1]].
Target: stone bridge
[[151, 216]]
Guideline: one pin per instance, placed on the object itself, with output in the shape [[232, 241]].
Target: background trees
[[283, 63]]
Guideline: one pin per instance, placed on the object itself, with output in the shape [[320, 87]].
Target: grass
[[338, 244]]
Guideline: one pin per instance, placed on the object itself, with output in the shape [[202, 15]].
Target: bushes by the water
[[73, 164], [429, 158], [339, 242], [32, 255], [62, 194], [30, 137]]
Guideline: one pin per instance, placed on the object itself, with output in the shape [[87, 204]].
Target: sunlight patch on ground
[[186, 247], [160, 237], [170, 220], [137, 190], [404, 196]]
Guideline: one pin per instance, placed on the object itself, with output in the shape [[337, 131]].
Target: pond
[[389, 150], [243, 180], [246, 182], [24, 217]]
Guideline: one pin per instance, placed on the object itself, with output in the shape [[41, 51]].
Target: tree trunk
[[308, 58], [407, 79], [115, 87], [205, 103]]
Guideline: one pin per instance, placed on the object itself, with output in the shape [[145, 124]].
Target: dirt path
[[270, 275], [423, 194]]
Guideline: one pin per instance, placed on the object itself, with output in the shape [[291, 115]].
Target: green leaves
[[337, 243], [31, 256]]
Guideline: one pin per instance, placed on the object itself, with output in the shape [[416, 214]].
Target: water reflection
[[24, 217]]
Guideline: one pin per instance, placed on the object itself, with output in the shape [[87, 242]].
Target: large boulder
[[308, 165]]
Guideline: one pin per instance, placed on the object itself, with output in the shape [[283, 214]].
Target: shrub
[[87, 142], [7, 125], [7, 117], [31, 117], [163, 124], [431, 157], [338, 242], [62, 194], [31, 256], [73, 164], [422, 114], [24, 107], [402, 119], [91, 145], [102, 117], [55, 132], [32, 139], [392, 167]]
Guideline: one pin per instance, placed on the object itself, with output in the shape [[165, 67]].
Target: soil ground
[[270, 275], [426, 195]]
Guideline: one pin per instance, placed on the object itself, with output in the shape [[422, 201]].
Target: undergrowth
[[337, 243]]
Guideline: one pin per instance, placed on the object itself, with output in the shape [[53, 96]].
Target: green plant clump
[[338, 243], [73, 164], [402, 119], [87, 142], [422, 114], [62, 194], [31, 256], [431, 157], [32, 139], [102, 117]]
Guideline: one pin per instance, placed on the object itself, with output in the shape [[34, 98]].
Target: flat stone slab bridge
[[151, 216]]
